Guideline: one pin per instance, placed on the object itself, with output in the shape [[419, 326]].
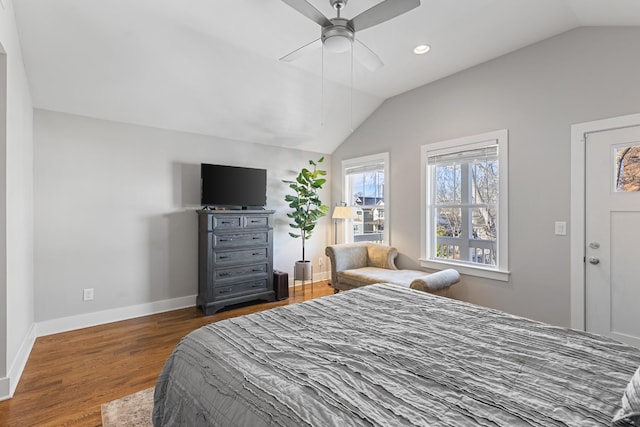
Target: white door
[[612, 265]]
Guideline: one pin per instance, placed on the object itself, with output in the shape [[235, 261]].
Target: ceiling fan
[[338, 34]]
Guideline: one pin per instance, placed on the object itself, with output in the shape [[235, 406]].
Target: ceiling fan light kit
[[338, 34], [338, 37]]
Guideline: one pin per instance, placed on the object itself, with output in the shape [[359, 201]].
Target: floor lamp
[[342, 212]]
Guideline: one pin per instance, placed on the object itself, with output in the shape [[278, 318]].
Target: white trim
[[577, 245], [64, 324], [380, 157], [501, 272], [467, 269], [5, 384], [8, 385]]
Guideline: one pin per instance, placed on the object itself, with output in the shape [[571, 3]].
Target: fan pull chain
[[322, 91], [351, 93]]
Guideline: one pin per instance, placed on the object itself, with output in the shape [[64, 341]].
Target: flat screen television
[[233, 186]]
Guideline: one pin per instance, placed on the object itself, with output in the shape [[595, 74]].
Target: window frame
[[362, 162], [501, 270]]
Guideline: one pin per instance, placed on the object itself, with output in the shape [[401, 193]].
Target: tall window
[[465, 204], [366, 187]]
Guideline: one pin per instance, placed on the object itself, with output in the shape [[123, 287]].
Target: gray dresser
[[235, 258]]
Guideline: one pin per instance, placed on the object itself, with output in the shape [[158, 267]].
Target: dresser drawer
[[226, 222], [240, 288], [243, 256], [243, 270], [256, 221], [230, 240]]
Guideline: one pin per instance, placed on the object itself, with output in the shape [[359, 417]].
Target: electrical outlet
[[561, 228], [87, 294], [320, 261]]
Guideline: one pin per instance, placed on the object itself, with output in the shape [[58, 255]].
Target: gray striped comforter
[[387, 356]]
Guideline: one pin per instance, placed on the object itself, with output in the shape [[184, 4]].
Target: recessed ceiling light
[[421, 49]]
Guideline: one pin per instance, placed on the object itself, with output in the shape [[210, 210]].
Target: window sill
[[466, 269]]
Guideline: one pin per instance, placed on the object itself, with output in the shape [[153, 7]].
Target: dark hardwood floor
[[69, 375]]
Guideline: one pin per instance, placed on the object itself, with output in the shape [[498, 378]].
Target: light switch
[[561, 228]]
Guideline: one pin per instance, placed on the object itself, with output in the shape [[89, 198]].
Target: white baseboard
[[21, 359], [317, 277], [324, 275], [64, 324], [8, 384], [4, 388]]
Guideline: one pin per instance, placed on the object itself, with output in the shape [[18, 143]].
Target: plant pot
[[302, 270]]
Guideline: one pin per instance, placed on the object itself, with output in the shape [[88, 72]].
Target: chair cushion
[[370, 275]]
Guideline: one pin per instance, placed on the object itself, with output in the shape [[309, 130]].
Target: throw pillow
[[629, 414]]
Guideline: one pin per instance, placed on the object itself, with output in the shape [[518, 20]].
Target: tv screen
[[233, 186]]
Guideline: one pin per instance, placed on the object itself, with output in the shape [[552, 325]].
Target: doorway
[[605, 213]]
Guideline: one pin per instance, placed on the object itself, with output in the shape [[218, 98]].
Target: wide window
[[366, 188], [465, 212]]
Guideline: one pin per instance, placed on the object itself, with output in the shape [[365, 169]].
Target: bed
[[382, 355]]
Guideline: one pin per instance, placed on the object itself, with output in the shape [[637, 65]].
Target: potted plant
[[307, 210]]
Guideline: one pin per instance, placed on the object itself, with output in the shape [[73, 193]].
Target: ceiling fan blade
[[309, 11], [366, 56], [381, 12], [301, 51]]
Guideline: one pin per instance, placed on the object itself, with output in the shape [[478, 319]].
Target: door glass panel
[[627, 168]]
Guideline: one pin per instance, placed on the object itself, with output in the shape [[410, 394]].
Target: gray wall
[[116, 211], [537, 93]]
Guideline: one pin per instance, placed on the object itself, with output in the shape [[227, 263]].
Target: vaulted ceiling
[[212, 67]]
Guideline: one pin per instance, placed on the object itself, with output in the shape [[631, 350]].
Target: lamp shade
[[345, 212]]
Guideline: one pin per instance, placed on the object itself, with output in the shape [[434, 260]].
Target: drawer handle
[[254, 221], [256, 285], [223, 257], [224, 274], [226, 240], [257, 237], [256, 269], [225, 291], [256, 253], [226, 222]]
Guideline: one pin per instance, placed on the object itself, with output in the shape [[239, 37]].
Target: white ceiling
[[211, 67]]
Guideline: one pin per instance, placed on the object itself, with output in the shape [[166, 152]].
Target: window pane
[[484, 181], [367, 188], [482, 245], [483, 223], [448, 185], [448, 222], [484, 256], [448, 251]]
